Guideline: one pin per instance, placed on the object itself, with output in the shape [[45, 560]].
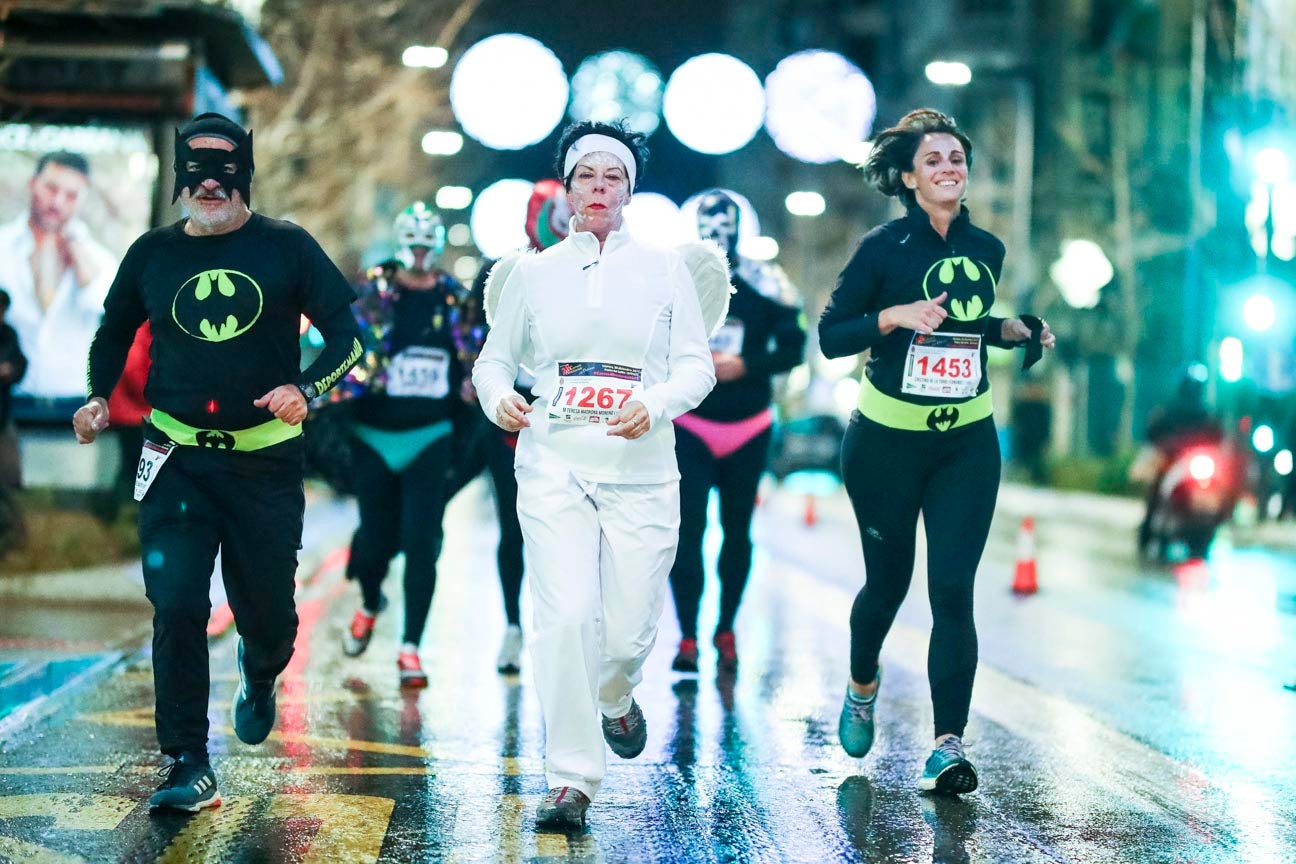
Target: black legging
[[399, 513], [486, 446], [736, 477], [953, 479]]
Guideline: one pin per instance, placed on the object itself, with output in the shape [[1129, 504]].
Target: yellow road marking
[[343, 770], [502, 831], [70, 810], [30, 853], [209, 835], [352, 827]]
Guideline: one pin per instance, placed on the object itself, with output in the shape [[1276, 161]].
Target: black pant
[[249, 507], [485, 446], [953, 479], [736, 477], [399, 513]]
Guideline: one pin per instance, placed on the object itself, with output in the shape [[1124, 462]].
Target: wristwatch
[[307, 390]]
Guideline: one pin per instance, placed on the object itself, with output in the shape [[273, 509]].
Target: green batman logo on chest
[[969, 283], [217, 305]]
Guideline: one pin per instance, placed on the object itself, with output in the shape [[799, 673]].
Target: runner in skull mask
[[724, 442], [407, 391]]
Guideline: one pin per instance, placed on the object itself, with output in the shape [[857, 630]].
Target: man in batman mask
[[221, 469]]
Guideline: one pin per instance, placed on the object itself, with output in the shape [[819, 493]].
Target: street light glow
[[1081, 273], [1271, 166], [442, 142], [508, 91], [453, 197], [949, 74], [1259, 312], [654, 218], [459, 234], [714, 103], [805, 204], [1230, 354], [818, 104], [499, 217], [425, 56], [1283, 462], [616, 84], [758, 248], [1263, 438]]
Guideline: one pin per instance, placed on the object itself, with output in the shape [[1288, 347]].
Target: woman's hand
[[510, 413], [1015, 330], [921, 317], [630, 422]]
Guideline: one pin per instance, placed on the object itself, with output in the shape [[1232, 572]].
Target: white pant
[[598, 556]]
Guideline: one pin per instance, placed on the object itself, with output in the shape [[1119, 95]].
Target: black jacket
[[11, 353]]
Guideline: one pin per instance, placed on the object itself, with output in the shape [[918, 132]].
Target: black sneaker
[[253, 711], [626, 735], [563, 808], [189, 785], [686, 659]]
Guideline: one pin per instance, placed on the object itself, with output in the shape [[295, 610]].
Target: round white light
[[442, 142], [1271, 166], [459, 234], [1259, 312], [1262, 439], [499, 217], [453, 197], [508, 91], [846, 395], [617, 84], [1230, 359], [819, 104], [856, 152], [714, 103], [758, 248], [805, 204], [656, 219], [425, 56], [1201, 467], [1081, 273], [1283, 462], [465, 269], [748, 221], [949, 74]]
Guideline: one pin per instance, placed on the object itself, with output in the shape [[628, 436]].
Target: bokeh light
[[508, 91], [1259, 312], [654, 218], [498, 218], [615, 85], [442, 142], [453, 197], [819, 106], [714, 103], [805, 204]]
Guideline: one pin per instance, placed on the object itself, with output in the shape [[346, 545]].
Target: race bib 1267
[[592, 392]]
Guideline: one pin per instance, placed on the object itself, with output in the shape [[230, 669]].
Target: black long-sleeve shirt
[[225, 311], [11, 353], [772, 340], [904, 261]]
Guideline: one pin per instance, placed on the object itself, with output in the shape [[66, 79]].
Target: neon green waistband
[[254, 438], [898, 414]]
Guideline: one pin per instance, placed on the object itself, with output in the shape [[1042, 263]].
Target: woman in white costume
[[614, 332]]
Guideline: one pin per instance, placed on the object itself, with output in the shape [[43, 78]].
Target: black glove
[[1034, 349]]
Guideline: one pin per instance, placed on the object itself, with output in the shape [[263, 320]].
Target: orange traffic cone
[[1025, 579], [811, 517]]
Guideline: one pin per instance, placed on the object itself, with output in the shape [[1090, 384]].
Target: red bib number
[[943, 364], [592, 392]]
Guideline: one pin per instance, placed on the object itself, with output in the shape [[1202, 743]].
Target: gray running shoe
[[189, 785], [509, 661], [253, 711], [627, 735], [948, 769], [855, 726], [563, 808]]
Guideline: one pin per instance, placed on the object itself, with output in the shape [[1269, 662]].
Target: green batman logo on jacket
[[970, 284], [217, 305]]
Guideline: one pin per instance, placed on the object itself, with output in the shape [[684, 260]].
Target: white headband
[[587, 144]]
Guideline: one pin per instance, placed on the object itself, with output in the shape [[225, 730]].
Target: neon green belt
[[899, 414], [254, 438]]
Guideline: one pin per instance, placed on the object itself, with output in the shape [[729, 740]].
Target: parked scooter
[[1194, 496]]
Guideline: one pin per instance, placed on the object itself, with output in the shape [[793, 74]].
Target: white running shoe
[[509, 661]]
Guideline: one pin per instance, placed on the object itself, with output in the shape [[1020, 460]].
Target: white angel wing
[[709, 268], [495, 287]]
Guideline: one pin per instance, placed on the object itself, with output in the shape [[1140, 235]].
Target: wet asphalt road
[[1123, 714]]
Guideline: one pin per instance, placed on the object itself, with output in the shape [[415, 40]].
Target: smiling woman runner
[[616, 336], [917, 295]]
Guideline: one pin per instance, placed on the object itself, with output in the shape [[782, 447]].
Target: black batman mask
[[717, 218], [210, 163]]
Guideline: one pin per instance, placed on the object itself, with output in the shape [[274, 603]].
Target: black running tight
[[952, 478], [735, 477]]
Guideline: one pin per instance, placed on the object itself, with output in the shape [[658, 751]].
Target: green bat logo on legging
[[970, 284], [217, 305]]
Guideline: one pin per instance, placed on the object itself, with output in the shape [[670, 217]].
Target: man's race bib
[[729, 338], [943, 364], [418, 371], [151, 458], [593, 392]]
